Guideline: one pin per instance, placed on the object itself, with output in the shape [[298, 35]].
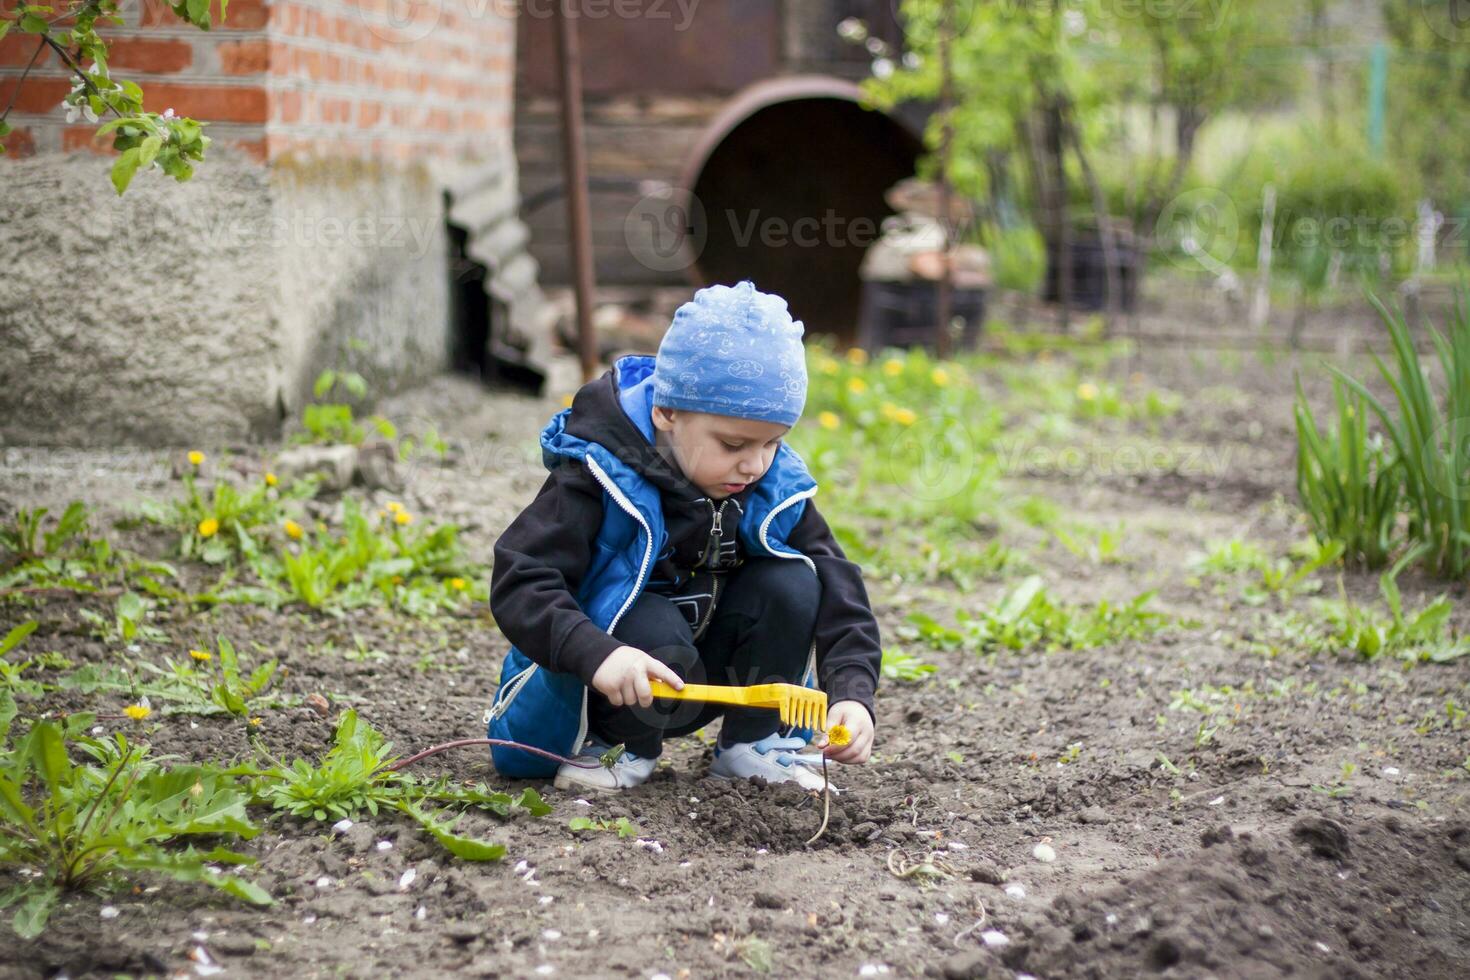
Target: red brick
[[244, 57], [150, 54], [36, 95], [208, 103], [241, 15], [17, 49], [255, 148], [83, 138], [19, 143], [288, 107]]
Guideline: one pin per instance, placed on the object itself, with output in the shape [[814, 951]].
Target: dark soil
[[1253, 852]]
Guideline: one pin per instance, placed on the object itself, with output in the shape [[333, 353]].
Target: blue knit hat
[[733, 351]]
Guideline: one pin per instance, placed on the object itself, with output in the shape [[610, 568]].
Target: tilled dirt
[[1057, 815]]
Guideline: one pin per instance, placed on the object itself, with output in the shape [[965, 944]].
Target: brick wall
[[367, 79]]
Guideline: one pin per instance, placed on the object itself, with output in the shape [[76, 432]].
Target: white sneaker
[[628, 771], [772, 759]]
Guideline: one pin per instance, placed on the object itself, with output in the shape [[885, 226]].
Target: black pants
[[761, 633]]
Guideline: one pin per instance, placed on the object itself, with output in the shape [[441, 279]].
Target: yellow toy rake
[[804, 707]]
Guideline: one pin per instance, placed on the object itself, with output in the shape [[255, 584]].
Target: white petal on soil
[[308, 919], [1217, 801], [941, 918], [957, 845], [1390, 770], [1016, 891], [994, 937], [545, 968], [324, 882], [1324, 947], [421, 913], [385, 845], [650, 845], [342, 826], [1044, 853], [521, 867], [581, 803], [200, 937], [551, 934], [546, 899], [109, 912], [873, 969], [660, 976], [406, 879]]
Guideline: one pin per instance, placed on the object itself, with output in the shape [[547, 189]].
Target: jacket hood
[[616, 412]]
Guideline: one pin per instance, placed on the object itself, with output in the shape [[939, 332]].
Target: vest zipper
[[714, 599]]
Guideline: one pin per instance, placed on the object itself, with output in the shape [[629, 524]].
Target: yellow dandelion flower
[[271, 480], [827, 366], [137, 712], [888, 410], [839, 735], [1087, 391], [905, 416], [255, 722], [828, 420], [196, 458], [208, 527], [397, 580], [458, 584], [294, 531], [857, 385], [402, 517], [203, 656], [892, 368], [939, 376], [393, 506], [856, 355]]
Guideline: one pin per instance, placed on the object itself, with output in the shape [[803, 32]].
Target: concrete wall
[[312, 236]]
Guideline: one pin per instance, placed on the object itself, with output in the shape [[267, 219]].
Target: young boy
[[676, 538]]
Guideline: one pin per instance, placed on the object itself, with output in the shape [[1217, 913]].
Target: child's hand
[[855, 718], [623, 676]]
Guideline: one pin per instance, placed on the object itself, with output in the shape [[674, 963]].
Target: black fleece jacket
[[542, 555]]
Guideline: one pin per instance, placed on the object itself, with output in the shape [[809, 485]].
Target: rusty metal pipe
[[574, 175]]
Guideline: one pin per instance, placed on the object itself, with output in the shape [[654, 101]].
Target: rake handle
[[702, 692]]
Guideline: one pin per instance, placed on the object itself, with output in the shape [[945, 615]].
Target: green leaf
[[149, 150], [35, 909], [15, 636], [34, 24], [532, 801], [461, 847], [124, 169], [48, 752], [240, 888]]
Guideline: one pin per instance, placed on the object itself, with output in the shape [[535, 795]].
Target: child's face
[[719, 454]]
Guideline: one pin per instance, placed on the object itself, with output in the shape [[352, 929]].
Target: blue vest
[[548, 709]]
